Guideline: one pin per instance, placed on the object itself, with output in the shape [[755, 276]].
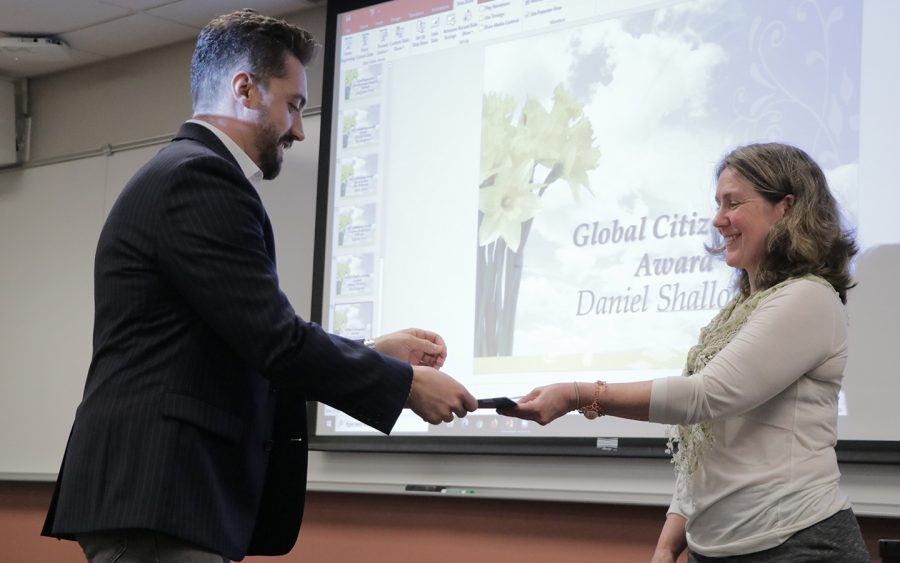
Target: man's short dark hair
[[249, 39]]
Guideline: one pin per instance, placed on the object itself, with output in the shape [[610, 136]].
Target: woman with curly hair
[[755, 418]]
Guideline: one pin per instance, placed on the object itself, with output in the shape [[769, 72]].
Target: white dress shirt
[[250, 169]]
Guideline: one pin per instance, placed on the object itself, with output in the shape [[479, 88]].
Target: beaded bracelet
[[594, 409]]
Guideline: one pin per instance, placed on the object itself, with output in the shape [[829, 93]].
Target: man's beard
[[267, 146]]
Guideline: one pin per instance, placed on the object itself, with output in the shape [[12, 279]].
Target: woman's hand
[[544, 404], [672, 539], [662, 557]]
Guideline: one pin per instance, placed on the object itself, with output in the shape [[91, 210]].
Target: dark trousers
[[834, 540], [142, 546]]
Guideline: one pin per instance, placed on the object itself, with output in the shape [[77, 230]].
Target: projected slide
[[592, 219], [535, 179]]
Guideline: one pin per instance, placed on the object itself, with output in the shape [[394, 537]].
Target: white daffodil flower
[[507, 203]]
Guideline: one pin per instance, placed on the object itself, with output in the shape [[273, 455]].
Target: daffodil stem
[[513, 269]]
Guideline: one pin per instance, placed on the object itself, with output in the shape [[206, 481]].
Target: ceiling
[[95, 30]]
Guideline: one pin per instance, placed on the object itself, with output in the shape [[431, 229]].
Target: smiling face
[[744, 219], [279, 121]]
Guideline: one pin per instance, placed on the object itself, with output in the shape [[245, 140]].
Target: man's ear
[[243, 88]]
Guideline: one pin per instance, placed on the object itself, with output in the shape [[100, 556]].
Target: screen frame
[[848, 451]]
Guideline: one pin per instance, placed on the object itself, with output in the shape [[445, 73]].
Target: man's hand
[[415, 346], [436, 397]]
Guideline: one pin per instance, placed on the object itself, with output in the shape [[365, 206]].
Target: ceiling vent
[[33, 49]]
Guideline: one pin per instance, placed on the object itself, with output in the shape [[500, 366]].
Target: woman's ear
[[788, 202]]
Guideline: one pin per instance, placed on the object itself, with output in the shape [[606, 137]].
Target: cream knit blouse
[[772, 395]]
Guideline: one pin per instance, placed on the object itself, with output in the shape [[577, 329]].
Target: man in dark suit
[[190, 441]]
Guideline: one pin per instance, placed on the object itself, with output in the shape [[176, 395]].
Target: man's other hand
[[437, 397], [415, 346]]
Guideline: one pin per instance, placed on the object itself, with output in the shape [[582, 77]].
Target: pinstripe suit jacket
[[193, 416]]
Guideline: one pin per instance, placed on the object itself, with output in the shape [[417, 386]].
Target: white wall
[[50, 218]]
